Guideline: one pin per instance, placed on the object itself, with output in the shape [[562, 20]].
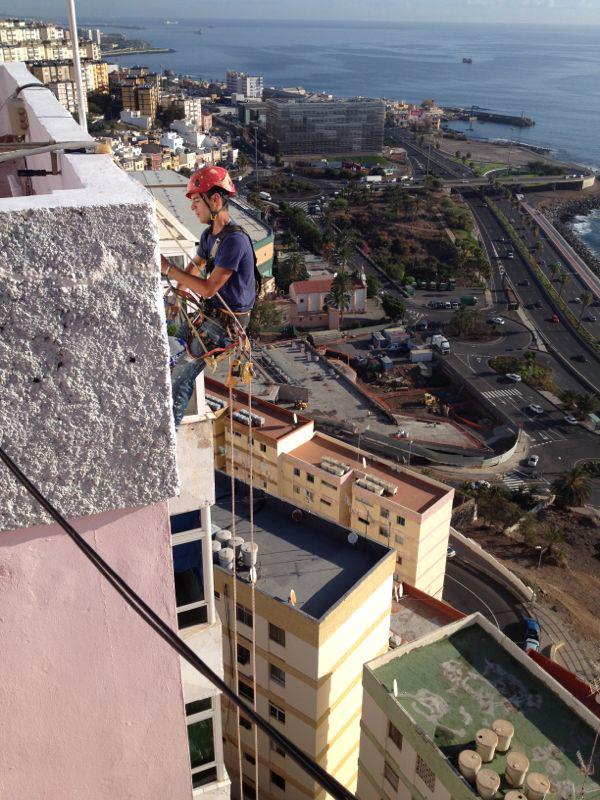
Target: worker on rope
[[231, 284]]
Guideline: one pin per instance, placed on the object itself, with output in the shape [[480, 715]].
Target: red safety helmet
[[208, 178]]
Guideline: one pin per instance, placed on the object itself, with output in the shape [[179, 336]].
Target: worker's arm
[[205, 287], [193, 268]]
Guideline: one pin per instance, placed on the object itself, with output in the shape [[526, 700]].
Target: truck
[[420, 354], [468, 300], [395, 338], [372, 179], [378, 340], [439, 342]]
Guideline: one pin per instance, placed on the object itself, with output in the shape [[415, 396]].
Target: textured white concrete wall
[[85, 404]]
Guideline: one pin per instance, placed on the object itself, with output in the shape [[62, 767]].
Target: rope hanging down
[[151, 618]]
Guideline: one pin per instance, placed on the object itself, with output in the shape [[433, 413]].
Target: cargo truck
[[439, 342]]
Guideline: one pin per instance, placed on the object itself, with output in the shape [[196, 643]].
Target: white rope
[[252, 575]]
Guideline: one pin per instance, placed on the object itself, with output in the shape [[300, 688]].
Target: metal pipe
[[46, 148], [81, 98], [207, 565]]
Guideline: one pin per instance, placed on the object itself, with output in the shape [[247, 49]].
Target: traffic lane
[[469, 589], [447, 165], [558, 335]]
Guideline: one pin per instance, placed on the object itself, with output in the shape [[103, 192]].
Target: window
[[277, 713], [329, 485], [385, 514], [390, 775], [325, 502], [276, 749], [276, 674], [243, 615], [278, 781], [296, 472], [363, 520], [263, 447], [310, 496], [395, 735], [276, 634], [400, 520], [198, 706], [383, 531], [238, 434], [245, 690], [248, 791], [245, 723], [250, 759], [243, 654], [202, 751], [426, 774], [189, 582], [399, 560], [310, 478], [399, 539], [296, 490]]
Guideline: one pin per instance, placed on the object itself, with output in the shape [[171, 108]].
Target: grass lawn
[[486, 166], [367, 161]]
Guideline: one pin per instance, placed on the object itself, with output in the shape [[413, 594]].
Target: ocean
[[551, 74]]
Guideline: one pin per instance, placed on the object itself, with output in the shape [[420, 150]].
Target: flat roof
[[312, 557], [414, 492], [457, 684], [278, 421], [168, 187]]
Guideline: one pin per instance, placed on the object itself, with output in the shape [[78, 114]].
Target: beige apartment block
[[395, 506], [462, 713], [321, 609]]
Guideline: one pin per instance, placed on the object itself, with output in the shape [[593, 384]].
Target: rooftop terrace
[[311, 557], [455, 685]]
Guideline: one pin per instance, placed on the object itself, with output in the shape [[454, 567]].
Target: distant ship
[[467, 60], [170, 22]]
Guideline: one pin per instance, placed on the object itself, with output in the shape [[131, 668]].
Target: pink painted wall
[[91, 702]]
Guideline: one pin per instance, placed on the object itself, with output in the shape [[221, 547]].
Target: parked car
[[590, 318], [577, 299], [451, 552], [535, 409], [580, 358], [571, 420], [455, 304], [510, 255], [514, 376], [495, 321], [531, 644], [533, 461], [555, 319], [537, 304], [531, 628], [480, 484]]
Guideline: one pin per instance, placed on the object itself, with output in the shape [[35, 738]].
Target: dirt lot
[[494, 153], [572, 591], [546, 201]]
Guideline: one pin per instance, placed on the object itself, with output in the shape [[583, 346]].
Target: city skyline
[[542, 12]]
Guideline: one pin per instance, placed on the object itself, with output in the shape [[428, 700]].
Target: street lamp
[[542, 551], [535, 587]]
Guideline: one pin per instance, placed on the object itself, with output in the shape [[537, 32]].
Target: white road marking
[[497, 393]]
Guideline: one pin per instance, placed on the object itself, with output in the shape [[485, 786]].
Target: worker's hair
[[217, 190]]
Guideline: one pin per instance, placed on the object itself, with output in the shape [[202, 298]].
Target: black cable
[[321, 776]]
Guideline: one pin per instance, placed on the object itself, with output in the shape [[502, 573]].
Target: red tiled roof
[[320, 285]]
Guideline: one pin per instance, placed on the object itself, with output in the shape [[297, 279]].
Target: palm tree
[[569, 399], [586, 404], [572, 488], [340, 293], [529, 357], [563, 280], [292, 269], [553, 538], [555, 269], [587, 298]]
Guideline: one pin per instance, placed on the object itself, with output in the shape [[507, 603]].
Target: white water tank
[[469, 764], [486, 741], [225, 556], [249, 552], [517, 765], [488, 783], [216, 546], [514, 794], [237, 545], [224, 536], [537, 786], [505, 731]]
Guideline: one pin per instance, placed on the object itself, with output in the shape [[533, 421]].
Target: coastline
[[135, 50]]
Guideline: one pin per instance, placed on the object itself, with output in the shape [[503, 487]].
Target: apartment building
[[463, 713], [396, 506], [142, 96], [314, 126], [65, 92], [321, 605], [91, 696], [250, 86], [310, 305]]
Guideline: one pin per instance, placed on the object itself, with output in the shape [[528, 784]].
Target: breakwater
[[562, 216]]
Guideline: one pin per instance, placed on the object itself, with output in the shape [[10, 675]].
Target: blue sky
[[560, 12]]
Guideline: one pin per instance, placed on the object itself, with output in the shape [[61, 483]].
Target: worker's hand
[[164, 264]]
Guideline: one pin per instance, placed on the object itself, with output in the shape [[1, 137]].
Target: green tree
[[265, 317], [495, 508], [393, 307], [553, 537], [373, 285], [555, 269], [587, 298], [569, 399], [168, 115], [340, 293], [585, 404], [572, 488], [563, 280], [292, 269]]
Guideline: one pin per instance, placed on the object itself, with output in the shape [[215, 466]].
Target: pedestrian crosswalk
[[499, 394], [514, 479]]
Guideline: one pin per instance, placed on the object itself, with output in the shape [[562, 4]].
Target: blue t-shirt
[[234, 253]]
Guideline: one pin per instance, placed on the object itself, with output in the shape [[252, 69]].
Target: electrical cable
[[151, 618]]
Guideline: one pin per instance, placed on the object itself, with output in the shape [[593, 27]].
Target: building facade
[[462, 713], [91, 695], [250, 86], [402, 509], [311, 126]]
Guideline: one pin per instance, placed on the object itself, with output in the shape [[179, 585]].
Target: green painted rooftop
[[454, 686]]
